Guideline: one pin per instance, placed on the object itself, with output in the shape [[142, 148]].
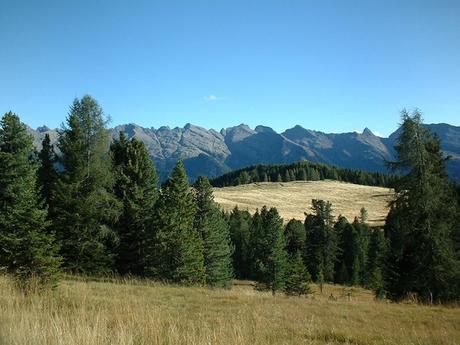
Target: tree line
[[94, 207], [302, 171]]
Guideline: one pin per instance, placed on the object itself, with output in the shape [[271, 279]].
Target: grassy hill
[[141, 313], [292, 199]]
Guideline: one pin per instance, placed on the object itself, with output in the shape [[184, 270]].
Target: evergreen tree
[[321, 249], [47, 175], [27, 249], [286, 176], [376, 262], [341, 275], [363, 234], [363, 215], [85, 208], [136, 187], [215, 233], [178, 247], [419, 226], [297, 277], [269, 255], [240, 233], [295, 237]]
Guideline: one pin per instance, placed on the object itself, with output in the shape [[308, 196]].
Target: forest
[[302, 171], [91, 206]]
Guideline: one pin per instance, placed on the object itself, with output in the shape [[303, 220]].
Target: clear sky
[[327, 65]]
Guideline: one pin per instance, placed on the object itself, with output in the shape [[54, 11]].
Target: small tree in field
[[297, 277]]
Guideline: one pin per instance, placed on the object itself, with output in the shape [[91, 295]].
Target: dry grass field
[[292, 199], [135, 313]]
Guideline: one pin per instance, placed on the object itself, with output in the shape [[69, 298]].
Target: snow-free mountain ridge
[[211, 153]]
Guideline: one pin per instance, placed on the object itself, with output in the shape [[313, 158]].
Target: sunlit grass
[[142, 312], [292, 199]]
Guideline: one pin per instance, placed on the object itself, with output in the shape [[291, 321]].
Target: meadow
[[292, 199], [133, 312]]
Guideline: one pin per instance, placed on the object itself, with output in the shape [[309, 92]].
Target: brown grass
[[128, 313], [292, 199]]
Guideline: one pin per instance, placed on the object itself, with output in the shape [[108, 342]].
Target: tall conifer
[[27, 249], [85, 208], [421, 220], [215, 234], [178, 250], [136, 187]]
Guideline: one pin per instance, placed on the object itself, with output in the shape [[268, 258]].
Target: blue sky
[[326, 65]]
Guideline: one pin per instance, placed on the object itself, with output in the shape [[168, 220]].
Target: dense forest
[[94, 207], [302, 171]]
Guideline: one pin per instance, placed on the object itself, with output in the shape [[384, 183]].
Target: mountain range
[[212, 153]]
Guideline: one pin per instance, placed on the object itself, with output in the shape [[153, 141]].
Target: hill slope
[[292, 199], [211, 153]]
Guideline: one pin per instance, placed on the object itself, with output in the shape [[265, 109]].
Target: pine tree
[[419, 226], [297, 277], [215, 233], [85, 208], [240, 233], [47, 175], [178, 247], [376, 261], [295, 237], [341, 275], [269, 255], [363, 234], [136, 187], [278, 178], [27, 249], [321, 249]]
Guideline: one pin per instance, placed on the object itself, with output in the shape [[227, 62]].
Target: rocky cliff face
[[211, 153]]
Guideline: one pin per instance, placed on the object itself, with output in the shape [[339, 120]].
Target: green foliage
[[303, 171], [295, 237], [215, 234], [297, 277], [269, 257], [321, 249], [85, 208], [421, 221], [47, 175], [178, 247], [136, 187], [27, 249], [240, 233], [376, 262]]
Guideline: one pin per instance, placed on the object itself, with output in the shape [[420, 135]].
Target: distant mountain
[[212, 153]]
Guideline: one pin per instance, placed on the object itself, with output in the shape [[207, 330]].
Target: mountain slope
[[212, 153]]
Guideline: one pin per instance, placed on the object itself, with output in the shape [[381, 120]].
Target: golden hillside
[[292, 199]]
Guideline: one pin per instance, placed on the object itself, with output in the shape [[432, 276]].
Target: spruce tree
[[178, 247], [215, 234], [295, 237], [421, 220], [27, 249], [47, 175], [240, 234], [136, 187], [85, 208], [297, 277], [376, 261], [269, 254], [321, 249]]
